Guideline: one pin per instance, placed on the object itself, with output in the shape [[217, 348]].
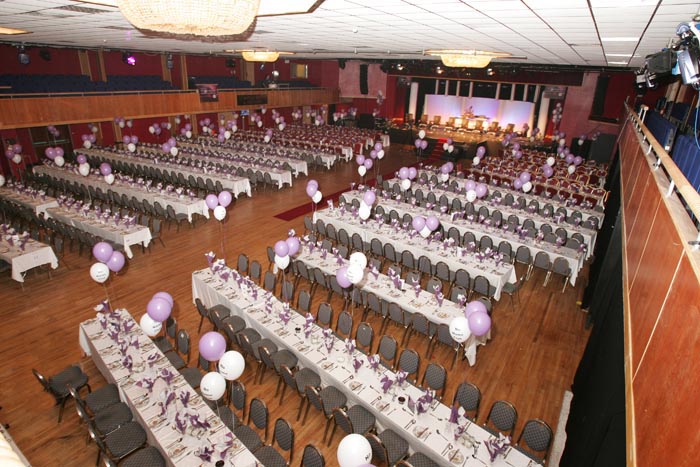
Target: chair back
[[270, 282], [255, 270], [344, 325], [42, 380], [503, 416], [259, 415], [324, 316], [468, 396], [284, 436], [304, 301], [312, 457], [342, 420], [242, 264], [435, 378], [378, 448], [364, 336], [182, 344], [409, 361], [537, 436], [387, 350]]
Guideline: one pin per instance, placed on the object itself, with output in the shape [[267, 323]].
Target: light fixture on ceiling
[[466, 58], [261, 55], [11, 31], [191, 17]]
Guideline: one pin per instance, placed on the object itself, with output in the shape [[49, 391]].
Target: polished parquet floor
[[530, 360]]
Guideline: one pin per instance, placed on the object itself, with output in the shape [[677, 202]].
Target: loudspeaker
[[601, 89], [363, 79], [341, 63], [45, 54], [230, 63]]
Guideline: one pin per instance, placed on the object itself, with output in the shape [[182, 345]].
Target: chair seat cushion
[[126, 439], [146, 457], [112, 417], [103, 397], [71, 376], [286, 358]]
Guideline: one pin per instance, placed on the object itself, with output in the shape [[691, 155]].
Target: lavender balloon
[[212, 346], [378, 146], [517, 184], [578, 160], [293, 245], [480, 151], [525, 177], [470, 185], [212, 201], [360, 159], [116, 261], [105, 169], [475, 306], [403, 173], [165, 296], [281, 248], [81, 159], [418, 223], [481, 190], [311, 189], [569, 158], [369, 163], [424, 144], [479, 323], [369, 198], [159, 309], [102, 251], [418, 143], [412, 173], [432, 223]]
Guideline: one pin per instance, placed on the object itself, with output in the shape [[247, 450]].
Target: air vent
[[80, 9]]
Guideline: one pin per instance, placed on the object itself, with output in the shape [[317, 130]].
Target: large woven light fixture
[[191, 17], [262, 55], [467, 58]]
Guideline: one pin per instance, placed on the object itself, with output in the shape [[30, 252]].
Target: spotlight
[[439, 70], [275, 74], [22, 56], [490, 72], [399, 66], [128, 58]]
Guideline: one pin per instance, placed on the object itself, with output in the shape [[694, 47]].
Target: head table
[[23, 258], [349, 370], [175, 417]]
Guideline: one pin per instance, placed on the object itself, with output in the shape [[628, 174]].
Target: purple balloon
[[188, 127], [480, 151], [212, 346], [221, 138], [369, 198], [517, 184], [158, 130], [312, 182], [450, 166], [548, 171], [59, 152], [432, 223], [560, 149], [84, 137], [481, 190], [418, 143], [373, 154], [311, 189], [525, 177], [569, 158], [134, 139], [475, 306], [403, 173], [342, 276], [225, 198], [479, 323], [368, 163], [377, 146], [516, 146], [159, 309], [423, 144], [172, 141], [212, 201], [165, 147], [470, 185], [183, 131], [518, 155], [92, 138], [418, 223], [281, 249], [360, 159], [105, 169], [293, 244], [81, 159], [9, 153], [165, 296], [445, 169], [102, 251], [116, 261], [126, 139], [578, 160], [50, 153], [412, 173]]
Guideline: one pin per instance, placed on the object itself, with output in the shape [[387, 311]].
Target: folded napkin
[[204, 453], [416, 286], [308, 324], [180, 422], [350, 345], [328, 340], [210, 258], [387, 382], [356, 364], [401, 377], [497, 446], [373, 361]]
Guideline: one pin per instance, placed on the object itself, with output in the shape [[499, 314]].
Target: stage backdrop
[[502, 111]]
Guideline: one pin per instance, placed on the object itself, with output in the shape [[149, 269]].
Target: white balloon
[[149, 326], [380, 154], [94, 129], [227, 134], [219, 213], [213, 386], [355, 273], [450, 148], [571, 169], [151, 129], [129, 123], [445, 146], [562, 142], [476, 160], [580, 141], [359, 258], [109, 178], [2, 180], [266, 138], [405, 184], [362, 170], [444, 177], [281, 126], [527, 186], [364, 212], [316, 198], [121, 124], [188, 134], [551, 161], [177, 120], [263, 110], [277, 120], [17, 158], [421, 134], [231, 365], [425, 232], [354, 450], [459, 329], [59, 161], [259, 124], [532, 138], [99, 272], [471, 196], [174, 151], [131, 147], [282, 261], [87, 144], [234, 128], [84, 169]]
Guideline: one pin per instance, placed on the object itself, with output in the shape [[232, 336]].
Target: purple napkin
[[204, 453], [308, 325], [167, 376], [356, 364], [328, 340], [416, 287], [127, 362], [151, 359], [210, 258], [180, 423], [197, 422], [454, 414], [497, 446], [350, 345], [373, 361], [374, 271], [386, 383], [401, 377], [146, 383]]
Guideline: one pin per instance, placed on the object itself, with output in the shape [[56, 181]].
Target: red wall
[[63, 61], [145, 64], [203, 65]]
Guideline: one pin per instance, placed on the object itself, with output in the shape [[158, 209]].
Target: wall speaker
[[341, 63], [363, 79], [45, 54], [230, 63]]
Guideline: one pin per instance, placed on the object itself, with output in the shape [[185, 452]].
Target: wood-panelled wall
[[25, 112], [662, 315]]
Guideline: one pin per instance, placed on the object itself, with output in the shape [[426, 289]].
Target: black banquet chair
[[58, 385]]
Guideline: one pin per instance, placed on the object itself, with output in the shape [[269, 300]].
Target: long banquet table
[[149, 367], [36, 204], [430, 433], [497, 274], [180, 204], [120, 234], [383, 287], [33, 255]]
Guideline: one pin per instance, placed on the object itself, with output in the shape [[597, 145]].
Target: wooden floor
[[530, 360]]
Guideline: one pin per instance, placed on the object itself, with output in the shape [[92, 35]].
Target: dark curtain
[[596, 426]]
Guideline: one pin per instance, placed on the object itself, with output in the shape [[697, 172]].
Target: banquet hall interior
[[349, 233]]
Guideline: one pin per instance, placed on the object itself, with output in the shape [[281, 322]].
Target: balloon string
[[223, 242], [107, 294]]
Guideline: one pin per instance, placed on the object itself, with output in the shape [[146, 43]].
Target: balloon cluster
[[109, 260], [313, 192], [296, 114], [53, 131], [535, 134], [170, 146], [517, 153], [445, 170], [106, 171], [212, 347], [364, 163], [279, 120], [448, 146], [88, 140], [425, 225], [284, 249], [13, 152], [354, 272], [318, 121], [157, 128], [480, 153], [368, 200], [547, 169], [268, 135], [556, 113], [421, 143], [130, 142], [207, 125], [476, 320], [523, 182], [406, 174], [339, 115], [93, 128], [475, 190], [83, 166], [186, 130], [157, 311], [120, 121], [219, 203], [256, 119]]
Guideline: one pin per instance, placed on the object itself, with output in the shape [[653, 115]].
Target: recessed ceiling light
[[619, 39], [620, 55], [617, 63], [11, 31]]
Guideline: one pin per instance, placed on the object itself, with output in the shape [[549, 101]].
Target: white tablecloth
[[149, 362], [429, 433], [120, 234], [498, 275], [383, 287], [298, 166], [386, 141], [34, 254], [38, 204]]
